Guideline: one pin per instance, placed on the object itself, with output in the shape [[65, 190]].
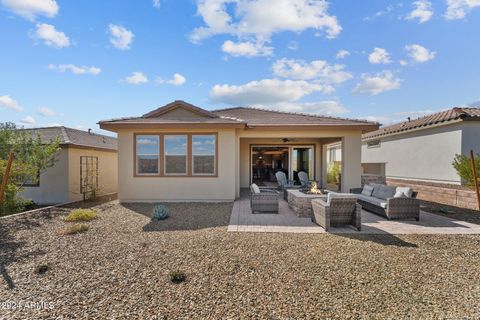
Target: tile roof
[[424, 122], [70, 136], [264, 117], [236, 116]]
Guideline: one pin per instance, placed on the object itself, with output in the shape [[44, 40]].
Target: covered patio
[[242, 220]]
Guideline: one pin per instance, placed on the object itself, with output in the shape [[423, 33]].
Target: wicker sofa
[[389, 201]]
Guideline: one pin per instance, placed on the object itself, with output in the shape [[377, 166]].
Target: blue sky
[[77, 62]]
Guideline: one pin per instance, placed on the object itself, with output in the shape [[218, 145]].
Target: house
[[419, 153], [86, 163], [180, 152]]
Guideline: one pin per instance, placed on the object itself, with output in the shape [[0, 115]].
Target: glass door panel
[[302, 160]]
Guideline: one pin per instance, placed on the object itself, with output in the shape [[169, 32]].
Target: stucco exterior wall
[[53, 188], [107, 171], [424, 155], [470, 137], [153, 189]]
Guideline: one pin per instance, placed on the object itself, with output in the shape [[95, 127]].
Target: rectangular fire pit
[[301, 203]]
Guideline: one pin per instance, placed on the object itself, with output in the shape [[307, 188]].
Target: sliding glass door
[[302, 160]]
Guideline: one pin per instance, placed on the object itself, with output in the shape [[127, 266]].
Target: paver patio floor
[[242, 220]]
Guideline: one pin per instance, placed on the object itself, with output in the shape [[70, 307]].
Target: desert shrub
[[463, 166], [76, 228], [81, 215], [41, 269], [160, 212], [177, 276], [333, 172]]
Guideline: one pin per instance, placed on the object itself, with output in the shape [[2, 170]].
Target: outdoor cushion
[[367, 190], [384, 192], [372, 200], [332, 195], [255, 188], [406, 191]]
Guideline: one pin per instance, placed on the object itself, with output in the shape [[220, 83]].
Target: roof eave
[[114, 127]]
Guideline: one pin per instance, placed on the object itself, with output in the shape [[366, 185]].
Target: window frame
[[135, 155], [374, 144], [214, 156], [161, 155]]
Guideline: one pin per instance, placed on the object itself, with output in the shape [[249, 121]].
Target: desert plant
[[81, 215], [160, 212], [177, 276], [31, 158], [41, 269], [76, 228], [463, 166], [333, 172]]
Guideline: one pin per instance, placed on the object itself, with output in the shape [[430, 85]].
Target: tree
[[31, 158], [463, 166]]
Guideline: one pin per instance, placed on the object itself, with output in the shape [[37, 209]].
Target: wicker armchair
[[337, 212], [264, 201]]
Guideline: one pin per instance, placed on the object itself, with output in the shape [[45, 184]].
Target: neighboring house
[[183, 152], [85, 162], [420, 152]]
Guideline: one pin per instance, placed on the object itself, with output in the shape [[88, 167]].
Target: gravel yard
[[120, 268]]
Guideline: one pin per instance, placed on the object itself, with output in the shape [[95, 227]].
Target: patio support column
[[237, 167], [351, 161], [324, 166]]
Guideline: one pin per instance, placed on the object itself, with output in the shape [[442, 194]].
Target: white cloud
[[137, 78], [46, 112], [259, 19], [377, 83], [458, 9], [475, 104], [75, 69], [29, 9], [8, 103], [399, 116], [293, 45], [319, 70], [266, 91], [384, 12], [327, 107], [342, 54], [177, 80], [419, 54], [246, 49], [422, 11], [120, 37], [29, 120], [51, 36], [403, 63], [379, 56], [156, 3]]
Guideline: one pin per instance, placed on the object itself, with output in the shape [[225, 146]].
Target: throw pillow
[[255, 188], [403, 190], [367, 190]]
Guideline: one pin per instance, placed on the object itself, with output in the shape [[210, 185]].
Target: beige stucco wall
[[61, 183], [424, 155], [107, 171], [53, 186], [152, 189]]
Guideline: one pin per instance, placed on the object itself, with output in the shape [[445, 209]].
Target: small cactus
[[160, 212]]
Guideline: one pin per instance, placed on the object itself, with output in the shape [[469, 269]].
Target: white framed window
[[204, 154], [175, 151], [147, 154]]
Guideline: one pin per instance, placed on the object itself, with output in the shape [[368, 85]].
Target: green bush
[[177, 276], [81, 215], [463, 166], [333, 172], [76, 228]]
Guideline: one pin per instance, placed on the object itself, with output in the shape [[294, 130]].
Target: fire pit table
[[300, 201]]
